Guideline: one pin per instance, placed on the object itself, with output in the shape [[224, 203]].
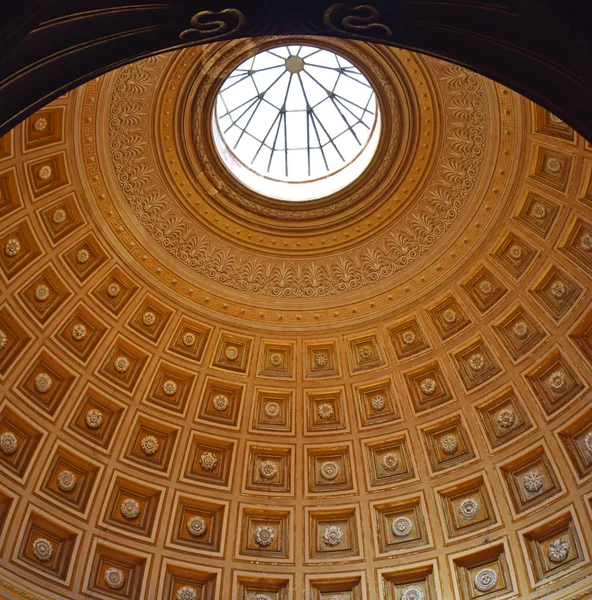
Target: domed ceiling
[[380, 394]]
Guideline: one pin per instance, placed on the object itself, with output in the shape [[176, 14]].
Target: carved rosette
[[93, 418], [220, 402], [186, 592], [8, 443], [329, 470], [121, 364], [43, 383], [149, 445], [43, 549], [67, 481], [325, 411], [332, 536], [390, 461], [272, 410], [130, 509], [78, 332], [486, 580], [197, 526], [558, 550], [268, 469], [412, 593], [169, 388], [533, 481], [208, 461], [449, 443], [428, 386], [378, 403], [114, 578], [264, 535], [468, 509], [506, 418], [402, 527]]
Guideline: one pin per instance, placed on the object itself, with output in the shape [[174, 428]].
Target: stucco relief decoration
[[556, 381], [476, 362], [325, 411], [485, 286], [66, 481], [408, 338], [268, 469], [186, 592], [520, 330], [197, 526], [554, 165], [189, 339], [78, 332], [208, 461], [43, 383], [44, 172], [366, 352], [194, 246], [148, 318], [264, 535], [402, 527], [390, 461], [558, 289], [113, 290], [468, 509], [114, 578], [149, 445], [359, 21], [272, 410], [486, 580], [82, 256], [506, 418], [169, 388], [558, 550], [538, 211], [207, 25], [533, 481], [3, 339], [43, 549], [41, 293], [321, 359], [329, 470], [8, 443], [412, 593], [130, 509], [276, 360], [449, 443], [378, 403], [449, 316], [428, 386], [93, 418], [220, 402], [40, 124], [588, 442], [59, 216], [586, 242], [231, 353], [12, 247], [121, 364], [516, 252], [332, 536]]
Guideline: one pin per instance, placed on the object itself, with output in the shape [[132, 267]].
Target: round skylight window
[[296, 122]]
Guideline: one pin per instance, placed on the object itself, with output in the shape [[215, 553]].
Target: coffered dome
[[379, 393]]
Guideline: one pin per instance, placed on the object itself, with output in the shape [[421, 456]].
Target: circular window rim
[[359, 162], [230, 191]]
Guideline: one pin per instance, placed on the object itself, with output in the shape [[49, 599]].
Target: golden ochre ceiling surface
[[211, 395]]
